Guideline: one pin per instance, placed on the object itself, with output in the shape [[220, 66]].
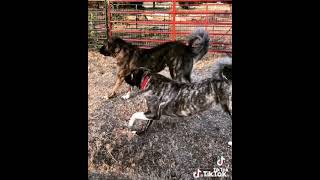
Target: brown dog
[[176, 55]]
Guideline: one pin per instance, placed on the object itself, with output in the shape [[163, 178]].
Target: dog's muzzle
[[104, 51]]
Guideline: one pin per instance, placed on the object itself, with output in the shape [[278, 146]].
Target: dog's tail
[[199, 43], [223, 67]]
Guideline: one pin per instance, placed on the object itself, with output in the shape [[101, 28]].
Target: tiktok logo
[[220, 161], [197, 174], [217, 171]]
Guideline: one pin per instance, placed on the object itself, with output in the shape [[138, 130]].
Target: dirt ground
[[173, 148]]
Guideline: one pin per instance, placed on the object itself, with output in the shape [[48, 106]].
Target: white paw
[[130, 124], [230, 143], [127, 96], [134, 132]]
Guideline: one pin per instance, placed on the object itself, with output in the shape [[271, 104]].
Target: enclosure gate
[[148, 23]]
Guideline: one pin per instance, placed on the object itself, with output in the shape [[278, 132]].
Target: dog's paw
[[130, 123], [111, 95], [125, 97], [142, 132]]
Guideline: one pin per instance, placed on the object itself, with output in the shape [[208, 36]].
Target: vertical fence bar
[[174, 11], [207, 15], [105, 9], [109, 19]]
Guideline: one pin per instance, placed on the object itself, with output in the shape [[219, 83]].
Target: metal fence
[[97, 23], [148, 23]]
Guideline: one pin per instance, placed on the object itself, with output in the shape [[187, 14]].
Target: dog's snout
[[102, 49]]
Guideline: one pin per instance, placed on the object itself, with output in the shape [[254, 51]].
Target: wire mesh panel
[[148, 23], [215, 17], [97, 23], [143, 24]]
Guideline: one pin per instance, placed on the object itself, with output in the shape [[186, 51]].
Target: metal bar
[[170, 12], [174, 10], [170, 22], [99, 30], [145, 40], [93, 20], [163, 32], [109, 19], [207, 17], [163, 41], [106, 17], [210, 51], [219, 51], [211, 1]]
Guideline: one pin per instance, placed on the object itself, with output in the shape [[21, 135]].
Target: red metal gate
[[158, 21]]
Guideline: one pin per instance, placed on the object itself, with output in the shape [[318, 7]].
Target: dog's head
[[112, 47], [136, 76]]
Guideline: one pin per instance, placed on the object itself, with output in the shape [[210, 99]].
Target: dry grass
[[172, 148]]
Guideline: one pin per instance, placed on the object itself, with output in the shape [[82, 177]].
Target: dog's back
[[186, 99], [167, 54]]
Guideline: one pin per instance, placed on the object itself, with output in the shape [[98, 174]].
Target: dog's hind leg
[[181, 72], [186, 77], [226, 109]]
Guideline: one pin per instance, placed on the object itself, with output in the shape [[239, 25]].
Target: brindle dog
[[172, 98], [176, 55]]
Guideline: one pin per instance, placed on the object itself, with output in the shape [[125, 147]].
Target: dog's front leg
[[135, 116], [146, 128], [154, 113], [152, 116], [141, 116], [128, 94], [116, 86]]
